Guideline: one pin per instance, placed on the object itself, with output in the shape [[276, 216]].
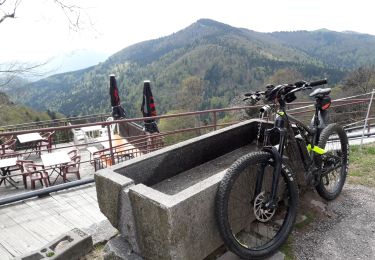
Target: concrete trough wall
[[163, 202]]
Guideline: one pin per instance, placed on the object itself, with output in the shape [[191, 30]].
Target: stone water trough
[[163, 202]]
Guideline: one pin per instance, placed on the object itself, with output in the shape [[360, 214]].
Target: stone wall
[[163, 202]]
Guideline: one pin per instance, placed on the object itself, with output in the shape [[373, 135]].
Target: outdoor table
[[91, 132], [5, 165], [117, 140], [32, 139], [56, 160]]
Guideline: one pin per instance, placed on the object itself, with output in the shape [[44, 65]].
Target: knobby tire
[[289, 197]]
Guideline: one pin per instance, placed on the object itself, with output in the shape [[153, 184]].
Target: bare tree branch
[[11, 14], [12, 70], [73, 14], [5, 16]]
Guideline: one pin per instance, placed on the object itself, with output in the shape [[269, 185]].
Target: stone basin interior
[[184, 180]]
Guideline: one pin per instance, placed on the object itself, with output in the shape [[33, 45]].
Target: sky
[[41, 32]]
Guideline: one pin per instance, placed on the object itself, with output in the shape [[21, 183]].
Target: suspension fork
[[277, 157]]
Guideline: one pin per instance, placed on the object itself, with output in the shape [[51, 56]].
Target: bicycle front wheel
[[247, 226]]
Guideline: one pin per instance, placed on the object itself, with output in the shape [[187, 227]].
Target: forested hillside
[[220, 61], [14, 114]]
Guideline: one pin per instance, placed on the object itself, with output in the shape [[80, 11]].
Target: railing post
[[110, 144], [368, 128], [366, 119], [215, 121]]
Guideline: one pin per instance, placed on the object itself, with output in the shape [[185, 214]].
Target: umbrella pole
[[110, 144]]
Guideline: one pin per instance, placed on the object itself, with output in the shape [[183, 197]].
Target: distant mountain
[[75, 60], [230, 61], [335, 49]]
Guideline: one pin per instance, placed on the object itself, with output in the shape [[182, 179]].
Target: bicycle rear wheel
[[248, 228], [334, 163]]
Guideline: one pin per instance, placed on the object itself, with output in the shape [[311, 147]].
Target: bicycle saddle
[[320, 91]]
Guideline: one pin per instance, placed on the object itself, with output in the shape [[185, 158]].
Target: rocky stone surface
[[118, 249], [346, 230], [230, 256], [101, 232]]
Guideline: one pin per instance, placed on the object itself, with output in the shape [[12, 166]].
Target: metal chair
[[112, 126], [36, 172], [5, 139], [8, 148], [73, 153], [72, 168], [21, 166], [46, 142], [103, 132], [78, 135]]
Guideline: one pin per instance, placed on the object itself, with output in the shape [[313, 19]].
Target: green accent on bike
[[316, 149], [281, 113]]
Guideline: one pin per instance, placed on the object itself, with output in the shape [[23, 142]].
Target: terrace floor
[[28, 225]]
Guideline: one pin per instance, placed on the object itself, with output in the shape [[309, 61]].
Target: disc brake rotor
[[260, 211]]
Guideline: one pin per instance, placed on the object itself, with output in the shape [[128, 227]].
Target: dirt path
[[346, 230]]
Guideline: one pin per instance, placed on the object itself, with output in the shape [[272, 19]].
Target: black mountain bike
[[257, 200]]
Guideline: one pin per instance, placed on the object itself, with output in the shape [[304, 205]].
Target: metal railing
[[214, 121], [354, 109], [213, 126]]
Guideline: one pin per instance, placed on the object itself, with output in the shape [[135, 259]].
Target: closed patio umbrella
[[117, 110], [148, 108]]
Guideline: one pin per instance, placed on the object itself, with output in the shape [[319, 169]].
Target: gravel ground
[[346, 230]]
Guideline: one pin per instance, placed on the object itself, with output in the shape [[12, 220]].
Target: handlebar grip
[[318, 82]]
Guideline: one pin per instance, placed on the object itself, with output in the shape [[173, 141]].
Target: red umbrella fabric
[[148, 108], [117, 110]]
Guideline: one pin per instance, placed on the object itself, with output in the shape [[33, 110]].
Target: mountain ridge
[[230, 60]]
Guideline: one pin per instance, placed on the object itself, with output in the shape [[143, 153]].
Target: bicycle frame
[[283, 125]]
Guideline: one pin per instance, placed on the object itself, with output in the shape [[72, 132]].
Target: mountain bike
[[257, 200]]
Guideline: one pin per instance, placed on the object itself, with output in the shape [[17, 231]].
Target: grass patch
[[96, 253], [287, 249], [99, 246], [362, 165], [50, 254], [309, 218]]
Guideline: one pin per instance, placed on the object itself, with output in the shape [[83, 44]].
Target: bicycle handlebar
[[318, 83], [297, 86]]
